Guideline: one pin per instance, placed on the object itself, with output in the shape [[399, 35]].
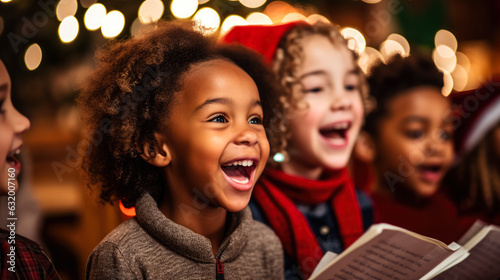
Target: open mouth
[[13, 161], [239, 173], [336, 134], [431, 173]]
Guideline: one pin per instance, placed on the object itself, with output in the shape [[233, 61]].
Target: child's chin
[[337, 162], [237, 205]]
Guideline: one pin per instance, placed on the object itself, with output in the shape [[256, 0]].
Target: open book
[[390, 252]]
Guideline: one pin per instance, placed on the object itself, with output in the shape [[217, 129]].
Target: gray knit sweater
[[151, 246]]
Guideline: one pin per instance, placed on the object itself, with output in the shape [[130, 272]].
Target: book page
[[390, 255], [473, 230], [325, 260], [482, 263]]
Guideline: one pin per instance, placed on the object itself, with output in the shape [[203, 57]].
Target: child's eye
[[414, 134], [313, 90], [255, 120], [351, 87], [220, 118], [445, 135]]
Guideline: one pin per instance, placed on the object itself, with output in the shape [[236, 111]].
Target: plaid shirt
[[31, 261]]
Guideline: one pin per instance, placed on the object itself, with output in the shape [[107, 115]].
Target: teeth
[[242, 163], [340, 126], [241, 182]]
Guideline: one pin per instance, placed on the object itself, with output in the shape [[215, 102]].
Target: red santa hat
[[262, 38], [476, 113]]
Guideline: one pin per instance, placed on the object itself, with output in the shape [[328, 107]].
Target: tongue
[[236, 174], [333, 134]]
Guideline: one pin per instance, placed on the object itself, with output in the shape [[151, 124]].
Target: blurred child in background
[[474, 183], [20, 258], [184, 141], [408, 140], [306, 195]]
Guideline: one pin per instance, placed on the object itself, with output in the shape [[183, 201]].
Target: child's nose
[[246, 136], [19, 122], [340, 101]]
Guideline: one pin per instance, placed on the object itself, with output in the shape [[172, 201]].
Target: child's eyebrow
[[223, 101], [312, 73], [415, 119]]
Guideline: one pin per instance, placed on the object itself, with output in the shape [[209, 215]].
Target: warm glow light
[[355, 40], [448, 82], [183, 8], [68, 29], [201, 2], [389, 48], [94, 16], [231, 21], [151, 11], [136, 27], [66, 8], [445, 58], [402, 41], [33, 57], [460, 78], [6, 1], [208, 19], [112, 24], [293, 17], [252, 3], [130, 212], [463, 60], [372, 1], [276, 10], [87, 3], [368, 58], [445, 37], [312, 19], [258, 18]]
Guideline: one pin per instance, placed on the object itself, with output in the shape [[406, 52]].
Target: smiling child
[[20, 257], [410, 142], [308, 199], [184, 141]]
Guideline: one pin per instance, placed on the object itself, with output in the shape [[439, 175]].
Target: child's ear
[[364, 149], [162, 156]]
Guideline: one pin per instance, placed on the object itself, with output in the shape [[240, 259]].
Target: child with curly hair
[[181, 124], [309, 199], [20, 257], [474, 181], [409, 143]]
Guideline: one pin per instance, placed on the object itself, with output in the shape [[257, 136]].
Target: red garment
[[276, 193], [31, 261], [436, 217]]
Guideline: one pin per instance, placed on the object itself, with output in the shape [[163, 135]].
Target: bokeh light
[[151, 11], [279, 157], [445, 37], [130, 212], [183, 8], [5, 1], [312, 19], [444, 57], [208, 19], [66, 8], [389, 48], [33, 57], [277, 10], [293, 17], [252, 3], [368, 58], [87, 3], [68, 29], [372, 1], [201, 2], [448, 82], [112, 24], [402, 41], [460, 78], [136, 27], [232, 20], [94, 16], [463, 60], [258, 19], [355, 40]]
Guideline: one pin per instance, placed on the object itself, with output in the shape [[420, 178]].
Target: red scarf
[[276, 192]]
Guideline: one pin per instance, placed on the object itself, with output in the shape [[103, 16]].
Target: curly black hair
[[129, 95], [395, 77]]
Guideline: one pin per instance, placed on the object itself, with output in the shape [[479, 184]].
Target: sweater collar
[[188, 243]]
